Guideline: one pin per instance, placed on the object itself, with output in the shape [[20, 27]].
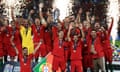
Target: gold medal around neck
[[7, 35], [25, 64], [60, 47], [74, 51]]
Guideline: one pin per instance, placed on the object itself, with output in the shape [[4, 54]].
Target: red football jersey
[[25, 66], [38, 33], [76, 50], [58, 49]]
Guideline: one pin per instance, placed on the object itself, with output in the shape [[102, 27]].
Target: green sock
[[1, 63], [110, 66]]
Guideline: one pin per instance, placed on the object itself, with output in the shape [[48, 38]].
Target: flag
[[38, 68], [45, 64]]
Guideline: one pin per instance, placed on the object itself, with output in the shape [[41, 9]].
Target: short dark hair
[[60, 30], [75, 34], [93, 29], [24, 48], [37, 17], [97, 22]]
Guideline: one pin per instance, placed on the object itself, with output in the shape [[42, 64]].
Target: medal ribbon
[[75, 45], [13, 32], [38, 29], [60, 43]]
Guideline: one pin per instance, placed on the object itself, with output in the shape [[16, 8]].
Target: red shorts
[[67, 55], [41, 51], [9, 50], [37, 52], [76, 65], [108, 54], [19, 47], [1, 50], [87, 61], [58, 62]]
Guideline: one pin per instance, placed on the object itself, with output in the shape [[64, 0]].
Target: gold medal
[[60, 47], [25, 64], [38, 33], [22, 59], [74, 51], [46, 30], [73, 46], [7, 35]]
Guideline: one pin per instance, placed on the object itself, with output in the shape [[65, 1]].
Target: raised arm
[[68, 34], [43, 21], [87, 16], [81, 29], [29, 16], [78, 18], [13, 44], [12, 13], [38, 46], [111, 25]]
